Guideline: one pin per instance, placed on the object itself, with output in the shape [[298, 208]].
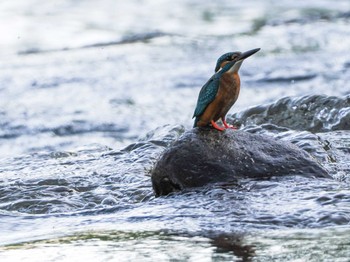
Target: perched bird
[[221, 91]]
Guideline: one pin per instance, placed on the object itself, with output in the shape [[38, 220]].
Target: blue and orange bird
[[221, 91]]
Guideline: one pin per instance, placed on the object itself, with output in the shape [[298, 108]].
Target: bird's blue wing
[[207, 95]]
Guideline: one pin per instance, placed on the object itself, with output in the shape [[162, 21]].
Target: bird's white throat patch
[[235, 67]]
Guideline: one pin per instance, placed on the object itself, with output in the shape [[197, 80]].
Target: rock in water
[[205, 156]]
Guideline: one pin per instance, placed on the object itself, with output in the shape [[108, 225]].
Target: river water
[[92, 93]]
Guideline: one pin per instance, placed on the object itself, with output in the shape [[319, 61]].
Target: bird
[[221, 91]]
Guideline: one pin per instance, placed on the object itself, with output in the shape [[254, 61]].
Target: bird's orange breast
[[228, 92]]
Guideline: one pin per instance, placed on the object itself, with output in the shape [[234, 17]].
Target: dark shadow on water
[[235, 244]]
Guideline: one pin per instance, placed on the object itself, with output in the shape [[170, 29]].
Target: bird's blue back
[[207, 95]]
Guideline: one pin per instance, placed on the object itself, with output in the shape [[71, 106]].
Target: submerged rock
[[205, 156]]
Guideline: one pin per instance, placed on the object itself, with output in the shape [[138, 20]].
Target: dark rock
[[204, 156]]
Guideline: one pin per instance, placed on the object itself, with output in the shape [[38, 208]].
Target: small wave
[[130, 39], [316, 113]]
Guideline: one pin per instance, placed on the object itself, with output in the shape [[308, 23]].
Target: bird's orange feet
[[227, 125], [215, 125]]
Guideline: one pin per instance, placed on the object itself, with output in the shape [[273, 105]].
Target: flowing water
[[92, 93]]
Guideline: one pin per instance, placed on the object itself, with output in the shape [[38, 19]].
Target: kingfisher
[[221, 91]]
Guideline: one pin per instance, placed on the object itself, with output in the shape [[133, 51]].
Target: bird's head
[[235, 57]]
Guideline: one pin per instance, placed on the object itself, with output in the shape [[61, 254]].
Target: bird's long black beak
[[237, 63], [248, 54]]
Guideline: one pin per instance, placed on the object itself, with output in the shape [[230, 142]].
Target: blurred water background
[[91, 93]]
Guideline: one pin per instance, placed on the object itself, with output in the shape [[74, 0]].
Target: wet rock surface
[[204, 156]]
